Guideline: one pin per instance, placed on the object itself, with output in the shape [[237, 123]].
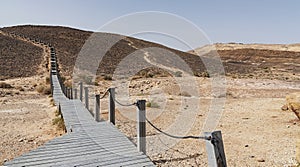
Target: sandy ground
[[25, 118], [255, 130]]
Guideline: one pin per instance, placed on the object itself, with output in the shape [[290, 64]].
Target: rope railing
[[177, 137], [124, 105], [214, 139], [104, 94]]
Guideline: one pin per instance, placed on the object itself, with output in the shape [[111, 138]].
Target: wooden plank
[[88, 143]]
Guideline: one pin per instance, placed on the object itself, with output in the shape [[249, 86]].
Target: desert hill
[[255, 129], [68, 43], [239, 60], [18, 58], [272, 61]]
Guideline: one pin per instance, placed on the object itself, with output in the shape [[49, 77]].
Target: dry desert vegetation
[[259, 121]]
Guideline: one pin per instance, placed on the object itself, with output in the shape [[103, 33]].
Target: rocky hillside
[[258, 60], [68, 43], [18, 58], [239, 60]]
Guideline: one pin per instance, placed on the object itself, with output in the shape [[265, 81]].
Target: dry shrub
[[178, 74], [59, 122], [185, 94], [46, 90], [5, 85], [39, 88], [52, 102], [108, 77], [47, 80], [152, 104], [293, 103]]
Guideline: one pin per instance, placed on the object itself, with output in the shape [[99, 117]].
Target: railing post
[[86, 91], [80, 91], [97, 108], [66, 91], [51, 82], [215, 149], [71, 93], [75, 93], [112, 105], [141, 126]]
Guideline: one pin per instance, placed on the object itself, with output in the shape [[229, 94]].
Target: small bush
[[5, 85], [152, 104], [205, 74], [46, 90], [178, 74], [52, 102], [20, 88], [59, 122], [185, 94], [108, 77], [150, 75], [47, 80], [197, 74], [39, 88]]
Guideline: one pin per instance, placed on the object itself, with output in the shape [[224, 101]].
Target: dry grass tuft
[[46, 90], [185, 94], [5, 85]]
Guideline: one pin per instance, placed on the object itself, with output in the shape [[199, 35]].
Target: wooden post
[[59, 109], [71, 93], [80, 91], [86, 95], [97, 108], [215, 149], [141, 126], [75, 93], [51, 82], [66, 91], [112, 105]]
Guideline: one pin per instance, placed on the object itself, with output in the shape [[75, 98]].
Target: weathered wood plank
[[87, 143]]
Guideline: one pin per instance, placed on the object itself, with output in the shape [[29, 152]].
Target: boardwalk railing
[[214, 142]]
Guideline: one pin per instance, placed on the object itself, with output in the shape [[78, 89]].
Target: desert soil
[[25, 118], [256, 132]]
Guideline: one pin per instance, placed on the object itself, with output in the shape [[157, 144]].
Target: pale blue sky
[[255, 21]]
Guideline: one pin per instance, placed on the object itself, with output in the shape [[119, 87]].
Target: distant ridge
[[239, 60]]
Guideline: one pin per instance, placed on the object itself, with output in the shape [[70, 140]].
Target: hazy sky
[[248, 21]]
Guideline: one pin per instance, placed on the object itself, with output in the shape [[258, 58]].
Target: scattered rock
[[30, 140], [261, 160], [285, 108], [246, 145], [21, 140]]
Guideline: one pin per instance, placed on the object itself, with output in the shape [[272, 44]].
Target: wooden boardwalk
[[87, 142]]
